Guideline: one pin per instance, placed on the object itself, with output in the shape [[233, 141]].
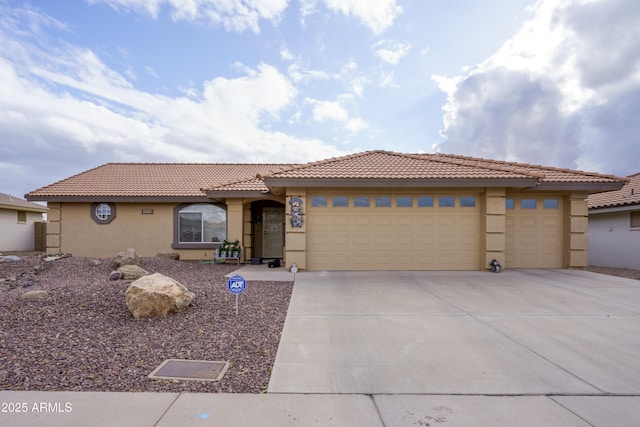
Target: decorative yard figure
[[295, 217], [496, 267]]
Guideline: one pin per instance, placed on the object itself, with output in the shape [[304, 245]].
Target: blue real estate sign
[[236, 285]]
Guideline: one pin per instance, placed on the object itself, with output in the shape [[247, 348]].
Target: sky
[[87, 82]]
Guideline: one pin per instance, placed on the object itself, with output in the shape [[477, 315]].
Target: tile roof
[[152, 179], [195, 180], [8, 201], [547, 173], [390, 165], [626, 196]]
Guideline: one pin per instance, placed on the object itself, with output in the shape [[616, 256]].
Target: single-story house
[[614, 226], [366, 211], [17, 223]]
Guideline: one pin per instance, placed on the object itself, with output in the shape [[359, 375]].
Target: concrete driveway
[[521, 333]]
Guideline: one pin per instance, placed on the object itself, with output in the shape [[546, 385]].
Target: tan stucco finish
[[393, 237]]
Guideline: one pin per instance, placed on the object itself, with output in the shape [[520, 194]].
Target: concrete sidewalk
[[64, 409]]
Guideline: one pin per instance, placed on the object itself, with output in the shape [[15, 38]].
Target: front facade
[[376, 210], [614, 226], [17, 223]]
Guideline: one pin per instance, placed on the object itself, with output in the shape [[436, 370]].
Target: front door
[[272, 232]]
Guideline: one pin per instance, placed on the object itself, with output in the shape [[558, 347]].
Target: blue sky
[[86, 82]]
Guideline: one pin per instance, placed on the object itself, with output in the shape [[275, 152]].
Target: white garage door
[[534, 232], [381, 231]]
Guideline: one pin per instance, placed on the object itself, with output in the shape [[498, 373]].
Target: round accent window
[[103, 213]]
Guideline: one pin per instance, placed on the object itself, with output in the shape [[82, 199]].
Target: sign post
[[236, 286]]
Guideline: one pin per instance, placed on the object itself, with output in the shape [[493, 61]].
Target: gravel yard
[[81, 337]]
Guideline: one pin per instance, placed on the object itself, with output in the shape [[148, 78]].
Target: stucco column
[[578, 227], [296, 237], [247, 241], [494, 226], [234, 220], [54, 227]]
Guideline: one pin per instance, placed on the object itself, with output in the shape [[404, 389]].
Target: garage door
[[534, 232], [378, 231]]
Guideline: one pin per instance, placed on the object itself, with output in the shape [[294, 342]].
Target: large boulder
[[131, 272], [128, 257], [157, 295]]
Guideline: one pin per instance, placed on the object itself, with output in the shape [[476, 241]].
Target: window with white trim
[[202, 223], [103, 212]]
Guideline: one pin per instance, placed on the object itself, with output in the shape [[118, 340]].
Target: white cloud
[[326, 111], [391, 51], [65, 104], [233, 15], [298, 73], [286, 54], [243, 15], [356, 125], [565, 90], [387, 80], [378, 15]]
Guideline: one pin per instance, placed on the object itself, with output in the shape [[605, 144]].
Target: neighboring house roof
[[118, 181], [628, 195], [7, 201], [114, 181]]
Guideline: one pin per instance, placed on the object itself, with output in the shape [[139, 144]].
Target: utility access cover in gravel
[[190, 370]]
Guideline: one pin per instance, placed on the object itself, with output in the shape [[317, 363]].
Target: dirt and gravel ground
[[614, 271], [81, 337]]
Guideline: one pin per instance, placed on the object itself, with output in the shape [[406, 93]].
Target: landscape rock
[[95, 262], [157, 295], [34, 295], [128, 257], [131, 272], [115, 275], [171, 255], [10, 258], [55, 257]]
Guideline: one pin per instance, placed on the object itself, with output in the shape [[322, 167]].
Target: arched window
[[201, 223]]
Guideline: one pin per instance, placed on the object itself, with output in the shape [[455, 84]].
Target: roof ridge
[[248, 179], [529, 165], [451, 159], [187, 164], [298, 166]]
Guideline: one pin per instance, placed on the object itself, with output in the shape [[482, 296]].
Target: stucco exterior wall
[[73, 230], [17, 236], [611, 241]]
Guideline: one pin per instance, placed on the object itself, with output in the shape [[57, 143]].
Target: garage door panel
[[390, 238], [405, 221], [534, 237], [425, 221], [405, 240]]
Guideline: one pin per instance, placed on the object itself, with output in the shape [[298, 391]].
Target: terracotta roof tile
[[548, 174], [191, 179], [390, 165], [151, 179], [626, 196]]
